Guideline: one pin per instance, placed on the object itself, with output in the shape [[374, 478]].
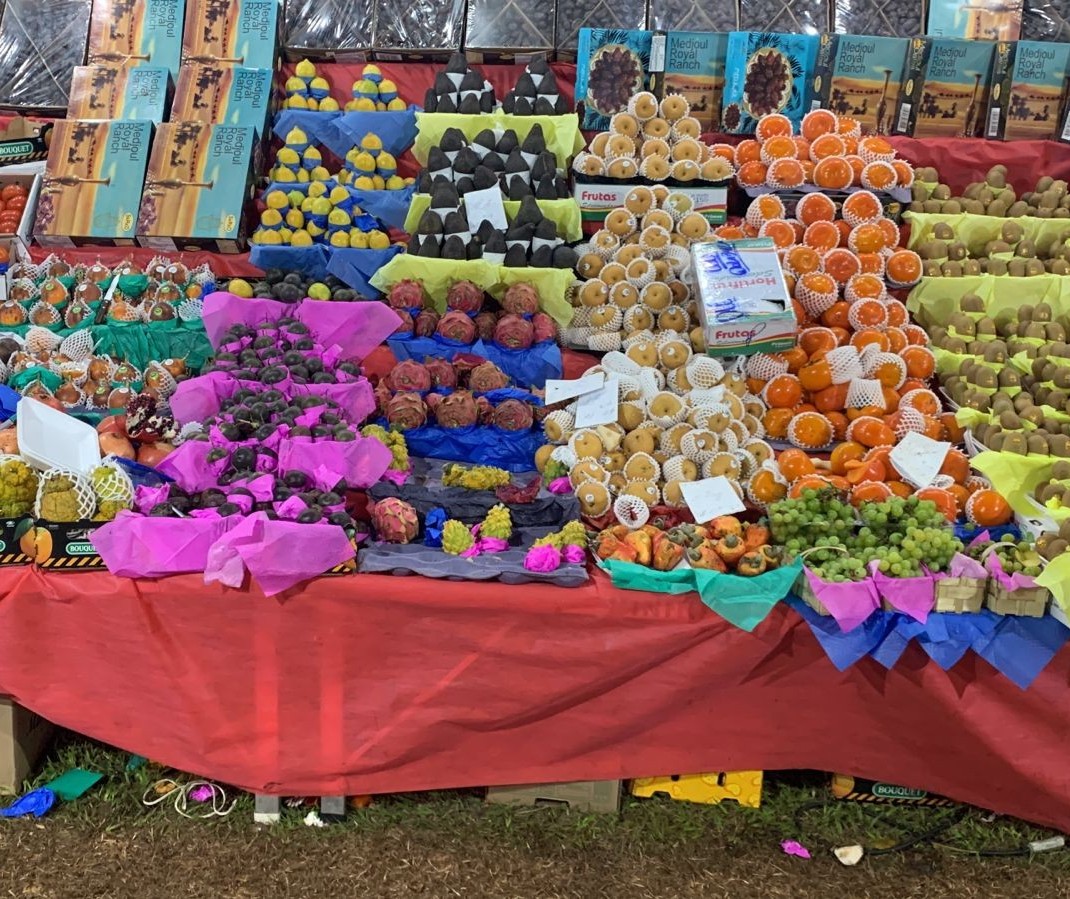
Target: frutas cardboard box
[[24, 737], [1029, 81], [945, 89], [598, 197], [694, 64], [234, 32], [138, 94], [92, 183], [198, 182], [859, 76], [223, 95], [124, 33]]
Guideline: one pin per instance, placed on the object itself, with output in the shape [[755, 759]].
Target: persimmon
[[867, 336], [833, 173], [916, 335], [802, 260], [780, 231], [897, 315], [865, 412], [751, 174], [934, 429], [842, 453], [952, 428], [810, 482], [766, 488], [897, 340], [796, 358], [862, 206], [891, 232], [879, 175], [904, 268], [839, 424], [748, 150], [841, 265], [832, 398], [772, 126], [825, 146], [802, 148], [922, 399], [783, 392], [904, 172], [729, 232], [961, 495], [776, 421], [868, 313], [822, 236], [817, 340], [891, 398], [920, 361], [870, 492], [818, 122], [810, 430], [871, 431], [794, 464], [867, 238], [873, 147], [849, 127], [842, 335], [763, 208], [956, 465], [815, 207], [890, 371], [836, 316], [785, 173], [816, 376], [755, 385], [862, 470], [872, 263], [780, 146], [899, 488], [943, 499]]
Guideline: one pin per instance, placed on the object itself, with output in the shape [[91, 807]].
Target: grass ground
[[453, 844]]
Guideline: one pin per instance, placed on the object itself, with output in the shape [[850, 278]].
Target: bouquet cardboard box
[[24, 141], [232, 32], [224, 95], [611, 66], [977, 20], [24, 736], [92, 183], [945, 89], [694, 63], [17, 537], [137, 33], [744, 304], [767, 73], [198, 182], [1029, 82], [137, 94], [860, 77], [67, 545]]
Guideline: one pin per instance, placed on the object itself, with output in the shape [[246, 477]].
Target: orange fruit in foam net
[[776, 422], [845, 231], [850, 145], [782, 392], [891, 232], [815, 207], [839, 422], [817, 340], [878, 175], [810, 430], [988, 509], [864, 287], [800, 229], [922, 399], [871, 431], [904, 268], [822, 236], [802, 147], [868, 313], [816, 376], [748, 150], [785, 173], [818, 122], [848, 126], [819, 283], [920, 361], [872, 263], [841, 264], [795, 464], [897, 316], [802, 260], [763, 208], [861, 207], [897, 340], [751, 174], [833, 173], [725, 151], [825, 146], [781, 232], [796, 358], [778, 148], [916, 335], [866, 238], [956, 465], [866, 336], [874, 147], [904, 173], [774, 125], [729, 232], [765, 488], [856, 164]]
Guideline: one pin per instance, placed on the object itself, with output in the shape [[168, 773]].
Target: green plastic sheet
[[977, 230], [562, 133], [437, 275], [563, 213], [935, 300]]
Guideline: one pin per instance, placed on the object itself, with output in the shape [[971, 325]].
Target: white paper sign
[[485, 206], [711, 497], [599, 407], [556, 391], [918, 458]]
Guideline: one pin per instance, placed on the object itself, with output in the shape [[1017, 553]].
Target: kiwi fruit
[[971, 267], [995, 441], [1009, 421], [974, 207], [1033, 415], [996, 178], [957, 251], [1054, 331], [1015, 443], [954, 345], [1037, 444], [1017, 209], [1060, 471], [1034, 267], [1008, 377], [997, 267], [1016, 268], [1025, 249], [932, 249], [932, 206], [985, 327], [997, 208], [971, 302], [941, 192]]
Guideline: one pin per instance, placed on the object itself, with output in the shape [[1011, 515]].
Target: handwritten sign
[[599, 407], [711, 497], [918, 458], [485, 206]]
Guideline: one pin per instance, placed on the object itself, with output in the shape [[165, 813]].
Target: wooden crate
[[1031, 602], [960, 594]]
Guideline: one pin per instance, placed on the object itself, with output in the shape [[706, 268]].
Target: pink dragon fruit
[[426, 323], [410, 375], [406, 411], [521, 299], [487, 377], [486, 410], [405, 327], [464, 296], [406, 294], [464, 364], [485, 323], [394, 520], [458, 410], [383, 395], [514, 332], [432, 400], [544, 327], [513, 415], [442, 373], [457, 326]]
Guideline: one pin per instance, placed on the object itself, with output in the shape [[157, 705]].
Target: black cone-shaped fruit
[[545, 164], [516, 257], [455, 223], [423, 183], [443, 86], [444, 196], [465, 162], [543, 257], [522, 233], [494, 162], [429, 248], [484, 231], [495, 243], [545, 230], [535, 142], [484, 178], [475, 249], [507, 143], [470, 105], [486, 102], [508, 104], [518, 189], [452, 140], [472, 81], [539, 65], [516, 164], [454, 248], [546, 190], [525, 86], [543, 106], [565, 257], [523, 106], [437, 161], [465, 185], [446, 104], [430, 223], [457, 64], [562, 188], [485, 139], [563, 106], [430, 100], [529, 213]]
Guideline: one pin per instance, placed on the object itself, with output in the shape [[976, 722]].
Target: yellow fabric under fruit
[[977, 230], [563, 213], [939, 297]]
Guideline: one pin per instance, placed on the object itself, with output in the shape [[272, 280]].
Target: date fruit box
[[860, 76], [1029, 79], [945, 89], [694, 68], [233, 32], [138, 94], [223, 95], [126, 33], [767, 73]]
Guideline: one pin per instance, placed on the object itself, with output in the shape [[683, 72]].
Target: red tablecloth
[[370, 684]]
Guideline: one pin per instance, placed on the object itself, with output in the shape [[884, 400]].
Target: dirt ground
[[107, 844]]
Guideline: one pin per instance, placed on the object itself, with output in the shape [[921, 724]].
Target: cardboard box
[[571, 17], [694, 63], [582, 796], [858, 789], [24, 736], [32, 183], [132, 94], [602, 56], [67, 545], [224, 95], [744, 787], [597, 198], [92, 184], [756, 63], [860, 77], [743, 302], [145, 33], [308, 34], [233, 32], [428, 31], [975, 20], [24, 141], [1029, 84], [198, 182], [945, 89], [17, 540]]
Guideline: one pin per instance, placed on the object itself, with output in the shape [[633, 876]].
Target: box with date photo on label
[[744, 306]]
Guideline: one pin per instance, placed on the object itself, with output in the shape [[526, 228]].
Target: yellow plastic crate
[[744, 787]]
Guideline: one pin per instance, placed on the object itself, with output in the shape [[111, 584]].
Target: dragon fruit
[[485, 323], [487, 377], [513, 415], [486, 410], [394, 520], [432, 400], [464, 296], [442, 373], [406, 294], [457, 326], [464, 364], [404, 329], [521, 299], [458, 410], [410, 375], [514, 332], [406, 411], [544, 327], [383, 395], [426, 323]]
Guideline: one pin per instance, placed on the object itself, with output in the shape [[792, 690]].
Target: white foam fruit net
[[617, 363], [666, 420], [700, 444], [862, 392], [41, 340], [764, 367], [112, 484], [844, 364], [883, 360], [604, 341], [704, 372], [651, 382], [631, 511], [909, 419], [77, 346], [85, 500]]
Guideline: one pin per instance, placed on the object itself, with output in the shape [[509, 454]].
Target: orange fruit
[[848, 126], [763, 208], [916, 335], [961, 495], [904, 267], [842, 453], [816, 376], [810, 430], [831, 399], [872, 263], [904, 173], [889, 374], [867, 238], [841, 264], [860, 207], [839, 424], [891, 232], [867, 336], [920, 362], [873, 147], [778, 147], [729, 232], [795, 464], [817, 340], [826, 145], [897, 340], [815, 207], [891, 398], [868, 313], [832, 172], [796, 358], [802, 260], [842, 335], [952, 428], [781, 232], [871, 431], [776, 422], [897, 315], [856, 164], [786, 173], [752, 173], [864, 287], [923, 399], [802, 148], [782, 392], [772, 126], [748, 150], [878, 175], [870, 492], [765, 487], [818, 122], [836, 316], [822, 236], [900, 489], [934, 429], [725, 151], [945, 501]]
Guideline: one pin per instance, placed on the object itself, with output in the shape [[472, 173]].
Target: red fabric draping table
[[370, 684]]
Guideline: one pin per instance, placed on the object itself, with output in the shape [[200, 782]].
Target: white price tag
[[599, 407], [556, 391], [711, 497], [919, 458], [485, 206]]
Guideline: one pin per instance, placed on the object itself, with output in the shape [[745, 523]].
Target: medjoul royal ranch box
[[126, 33], [767, 73]]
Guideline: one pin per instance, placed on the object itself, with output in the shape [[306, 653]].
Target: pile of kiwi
[[1012, 253], [993, 196], [1052, 544], [1012, 331], [1057, 488]]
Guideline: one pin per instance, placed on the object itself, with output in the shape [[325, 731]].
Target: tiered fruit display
[[291, 287], [658, 141], [460, 89], [1009, 251], [829, 152], [536, 92], [681, 417], [308, 90]]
